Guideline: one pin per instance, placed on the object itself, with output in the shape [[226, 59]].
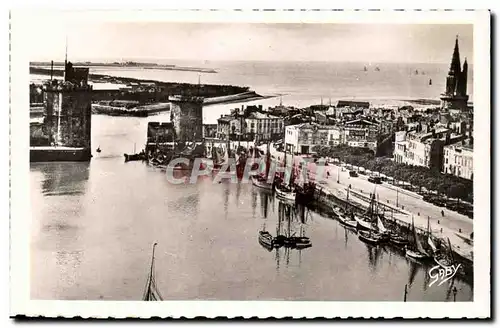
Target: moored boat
[[416, 251], [151, 292], [135, 157], [397, 240], [285, 193], [369, 237], [266, 239]]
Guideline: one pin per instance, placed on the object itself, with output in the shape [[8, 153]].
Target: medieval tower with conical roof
[[455, 96]]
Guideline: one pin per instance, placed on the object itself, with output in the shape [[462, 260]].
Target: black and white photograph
[[250, 156]]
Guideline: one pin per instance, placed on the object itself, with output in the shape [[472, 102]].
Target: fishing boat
[[417, 251], [369, 237], [285, 193], [383, 231], [266, 240], [444, 258], [151, 292], [398, 240], [261, 181], [366, 222], [285, 190], [135, 157]]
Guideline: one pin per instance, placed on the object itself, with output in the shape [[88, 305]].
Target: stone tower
[[187, 117], [455, 96], [68, 110]]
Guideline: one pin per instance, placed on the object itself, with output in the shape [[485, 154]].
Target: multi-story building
[[459, 159], [423, 148], [226, 124], [301, 138], [250, 125], [361, 133], [263, 126]]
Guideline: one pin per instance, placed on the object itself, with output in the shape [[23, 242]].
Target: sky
[[415, 43]]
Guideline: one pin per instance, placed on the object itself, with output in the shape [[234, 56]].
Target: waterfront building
[[425, 146], [187, 117], [459, 159], [209, 130], [65, 132], [302, 138], [455, 95], [263, 127], [225, 125], [160, 135], [361, 133]]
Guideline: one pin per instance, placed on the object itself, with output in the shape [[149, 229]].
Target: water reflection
[[63, 178]]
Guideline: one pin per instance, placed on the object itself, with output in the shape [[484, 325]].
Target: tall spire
[[455, 60], [66, 52]]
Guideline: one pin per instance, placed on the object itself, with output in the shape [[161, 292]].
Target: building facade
[[459, 159], [304, 137]]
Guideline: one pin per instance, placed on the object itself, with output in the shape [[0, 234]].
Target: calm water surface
[[94, 224]]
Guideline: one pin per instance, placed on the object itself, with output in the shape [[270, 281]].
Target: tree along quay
[[324, 200]]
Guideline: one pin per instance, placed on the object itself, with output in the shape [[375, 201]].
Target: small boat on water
[[363, 224], [344, 218], [416, 251], [369, 237], [398, 240], [261, 180], [266, 240], [151, 292], [444, 258], [135, 157], [301, 242], [285, 193]]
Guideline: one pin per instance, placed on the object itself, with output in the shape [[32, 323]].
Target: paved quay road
[[451, 223]]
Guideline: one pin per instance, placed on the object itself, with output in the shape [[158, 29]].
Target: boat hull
[[416, 255], [284, 195], [261, 184], [365, 237]]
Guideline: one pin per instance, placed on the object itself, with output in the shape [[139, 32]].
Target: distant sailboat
[[151, 292]]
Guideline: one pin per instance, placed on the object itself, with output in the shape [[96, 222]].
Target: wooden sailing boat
[[151, 292], [417, 252], [261, 180], [284, 190], [443, 257], [367, 224]]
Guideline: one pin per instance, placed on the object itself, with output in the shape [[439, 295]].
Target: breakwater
[[163, 88]]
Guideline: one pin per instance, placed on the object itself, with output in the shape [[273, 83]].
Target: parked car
[[353, 174], [375, 180]]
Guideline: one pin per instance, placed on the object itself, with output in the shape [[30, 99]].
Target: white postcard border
[[20, 195]]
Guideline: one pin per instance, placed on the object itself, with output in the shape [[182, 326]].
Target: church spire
[[455, 66]]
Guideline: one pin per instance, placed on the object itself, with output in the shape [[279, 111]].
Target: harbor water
[[94, 224]]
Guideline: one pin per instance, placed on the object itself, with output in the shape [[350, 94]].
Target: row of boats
[[371, 229]]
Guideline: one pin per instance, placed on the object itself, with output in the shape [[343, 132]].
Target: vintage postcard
[[262, 164]]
